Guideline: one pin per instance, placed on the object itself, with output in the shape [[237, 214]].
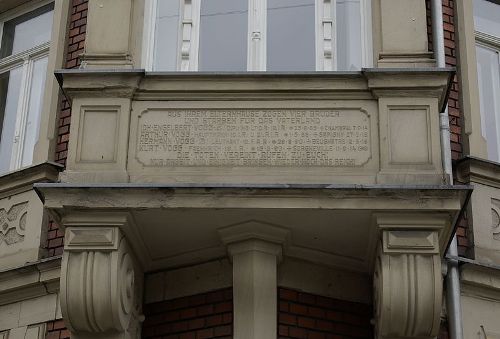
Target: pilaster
[[107, 44], [407, 277], [402, 29], [255, 250], [101, 282]]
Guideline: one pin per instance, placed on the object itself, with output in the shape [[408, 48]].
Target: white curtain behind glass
[[349, 37]]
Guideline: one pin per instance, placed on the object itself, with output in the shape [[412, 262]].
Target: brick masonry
[[308, 316], [75, 45], [208, 315], [57, 330]]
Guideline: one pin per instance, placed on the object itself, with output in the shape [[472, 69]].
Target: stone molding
[[407, 277], [476, 170], [369, 83], [30, 281], [100, 284], [23, 179], [480, 281]]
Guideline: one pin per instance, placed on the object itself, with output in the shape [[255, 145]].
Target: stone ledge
[[30, 281], [365, 84], [24, 178], [475, 170]]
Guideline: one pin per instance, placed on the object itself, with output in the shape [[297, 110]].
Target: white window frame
[[25, 59], [491, 42], [187, 58]]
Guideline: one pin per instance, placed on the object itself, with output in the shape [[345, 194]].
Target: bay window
[[24, 52], [257, 35], [487, 25]]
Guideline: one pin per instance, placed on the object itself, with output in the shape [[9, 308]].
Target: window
[[487, 25], [23, 65], [257, 35]]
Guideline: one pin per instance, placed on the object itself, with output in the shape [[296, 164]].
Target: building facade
[[249, 169]]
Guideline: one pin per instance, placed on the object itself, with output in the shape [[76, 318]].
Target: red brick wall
[[57, 330], [208, 315], [307, 316], [75, 44]]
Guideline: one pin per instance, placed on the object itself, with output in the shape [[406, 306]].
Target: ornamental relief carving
[[495, 216], [13, 223]]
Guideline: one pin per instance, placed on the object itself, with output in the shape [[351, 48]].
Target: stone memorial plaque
[[253, 138]]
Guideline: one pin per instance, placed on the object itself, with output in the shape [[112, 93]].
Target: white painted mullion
[[148, 38], [189, 34], [22, 115], [496, 101], [195, 35], [326, 60], [257, 41], [366, 32]]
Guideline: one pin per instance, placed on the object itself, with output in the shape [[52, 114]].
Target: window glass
[[166, 35], [11, 89], [487, 17], [291, 35], [488, 68], [223, 35], [32, 33], [27, 31], [22, 87], [348, 50]]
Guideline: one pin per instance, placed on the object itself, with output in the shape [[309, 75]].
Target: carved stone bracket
[[407, 279], [100, 284]]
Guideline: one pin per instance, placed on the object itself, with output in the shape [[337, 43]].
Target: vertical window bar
[[186, 51], [151, 7], [325, 35], [257, 42], [366, 32], [22, 114]]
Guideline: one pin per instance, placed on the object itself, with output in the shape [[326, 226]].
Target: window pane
[[27, 31], [290, 35], [487, 17], [489, 90], [348, 49], [32, 33], [11, 85], [166, 35], [223, 35], [35, 107]]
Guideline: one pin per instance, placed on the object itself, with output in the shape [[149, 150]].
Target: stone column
[[101, 282], [401, 34], [407, 277], [108, 41], [255, 250]]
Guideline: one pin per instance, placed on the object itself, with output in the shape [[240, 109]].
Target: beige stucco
[[24, 221], [469, 98], [400, 34], [480, 301]]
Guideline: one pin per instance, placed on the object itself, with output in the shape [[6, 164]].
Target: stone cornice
[[365, 84], [24, 178], [30, 281], [302, 196], [475, 170], [480, 281]]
